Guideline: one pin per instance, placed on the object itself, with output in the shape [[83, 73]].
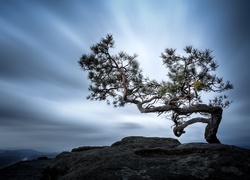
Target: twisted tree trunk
[[212, 126]]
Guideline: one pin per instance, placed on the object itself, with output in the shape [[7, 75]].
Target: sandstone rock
[[151, 158]]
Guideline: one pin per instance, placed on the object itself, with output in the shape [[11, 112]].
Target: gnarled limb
[[179, 129], [213, 122]]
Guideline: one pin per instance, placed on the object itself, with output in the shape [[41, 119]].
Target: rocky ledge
[[150, 158]]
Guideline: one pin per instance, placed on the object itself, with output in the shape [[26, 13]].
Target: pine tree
[[117, 79]]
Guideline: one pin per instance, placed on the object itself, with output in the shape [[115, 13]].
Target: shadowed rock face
[[135, 158], [151, 158]]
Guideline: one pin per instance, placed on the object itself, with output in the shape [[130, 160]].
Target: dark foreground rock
[[152, 158], [135, 158]]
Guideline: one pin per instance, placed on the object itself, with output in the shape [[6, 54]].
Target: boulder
[[151, 158]]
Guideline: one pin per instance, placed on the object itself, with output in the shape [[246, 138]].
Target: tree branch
[[181, 111], [149, 100], [179, 129]]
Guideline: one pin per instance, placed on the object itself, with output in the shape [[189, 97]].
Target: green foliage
[[167, 88], [104, 71], [194, 73], [198, 85], [119, 79]]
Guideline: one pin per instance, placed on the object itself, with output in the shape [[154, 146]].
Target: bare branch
[[179, 129], [149, 100]]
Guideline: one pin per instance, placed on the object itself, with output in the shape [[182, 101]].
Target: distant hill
[[8, 157]]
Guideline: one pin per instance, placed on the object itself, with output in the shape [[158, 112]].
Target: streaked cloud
[[43, 90]]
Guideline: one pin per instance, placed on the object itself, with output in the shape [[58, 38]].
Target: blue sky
[[43, 90]]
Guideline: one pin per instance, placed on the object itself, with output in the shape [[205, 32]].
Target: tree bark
[[212, 126]]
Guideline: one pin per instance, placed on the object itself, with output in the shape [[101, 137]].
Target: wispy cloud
[[43, 90]]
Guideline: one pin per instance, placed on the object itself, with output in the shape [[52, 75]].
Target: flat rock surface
[[135, 158]]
